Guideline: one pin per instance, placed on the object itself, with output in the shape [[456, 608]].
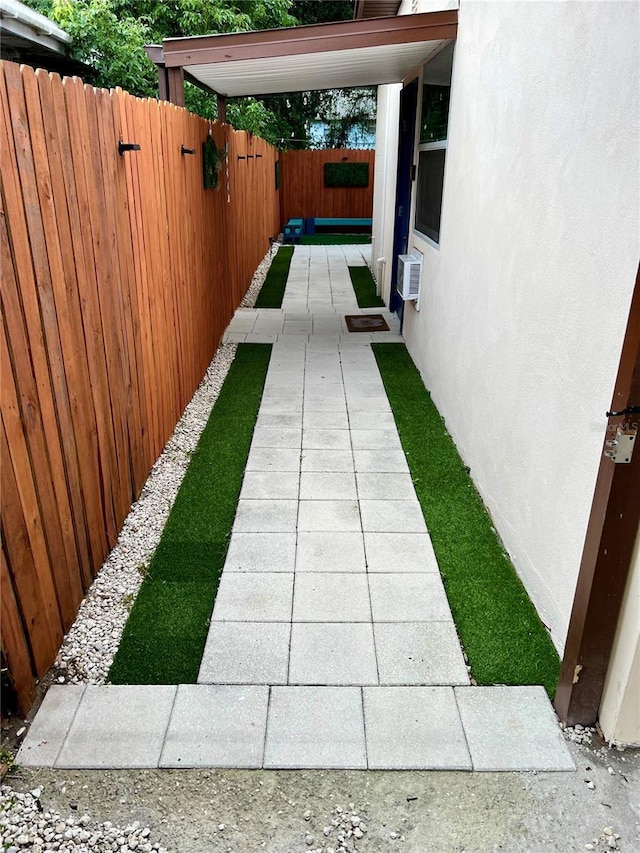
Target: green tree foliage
[[112, 44], [110, 35], [349, 113]]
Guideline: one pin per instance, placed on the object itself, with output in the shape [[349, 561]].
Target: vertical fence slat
[[15, 641]]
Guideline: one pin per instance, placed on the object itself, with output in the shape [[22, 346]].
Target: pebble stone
[[579, 734], [343, 829], [88, 649], [26, 825]]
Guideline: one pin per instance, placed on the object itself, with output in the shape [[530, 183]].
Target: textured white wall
[[525, 302]]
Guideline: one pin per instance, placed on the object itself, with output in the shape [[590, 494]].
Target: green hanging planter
[[212, 158]]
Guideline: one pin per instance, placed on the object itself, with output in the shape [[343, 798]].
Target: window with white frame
[[431, 158]]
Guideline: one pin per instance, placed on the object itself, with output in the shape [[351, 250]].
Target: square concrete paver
[[399, 597], [327, 460], [382, 461], [392, 517], [375, 439], [419, 653], [246, 653], [414, 728], [372, 404], [266, 516], [325, 420], [48, 730], [328, 597], [255, 597], [327, 485], [332, 653], [512, 728], [273, 459], [270, 485], [282, 403], [326, 439], [276, 437], [400, 552], [339, 552], [324, 403], [284, 420], [390, 487], [118, 726], [329, 515], [362, 420], [261, 552], [216, 726], [315, 727]]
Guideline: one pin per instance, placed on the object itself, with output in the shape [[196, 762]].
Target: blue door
[[408, 108]]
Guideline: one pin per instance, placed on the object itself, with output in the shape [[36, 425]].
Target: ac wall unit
[[409, 274]]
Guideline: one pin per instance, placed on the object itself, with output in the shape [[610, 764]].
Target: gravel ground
[[235, 811]]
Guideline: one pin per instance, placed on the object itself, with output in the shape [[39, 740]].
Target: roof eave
[[316, 38]]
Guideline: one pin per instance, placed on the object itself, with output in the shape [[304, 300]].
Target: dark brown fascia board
[[315, 38], [155, 53]]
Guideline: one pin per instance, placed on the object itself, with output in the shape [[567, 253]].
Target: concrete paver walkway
[[331, 644]]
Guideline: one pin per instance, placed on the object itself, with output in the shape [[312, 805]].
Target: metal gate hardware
[[630, 410], [621, 447]]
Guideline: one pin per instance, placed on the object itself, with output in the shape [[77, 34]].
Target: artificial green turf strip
[[501, 632], [272, 290], [165, 634], [334, 239], [365, 287]]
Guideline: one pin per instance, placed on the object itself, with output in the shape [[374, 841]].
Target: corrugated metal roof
[[370, 66]]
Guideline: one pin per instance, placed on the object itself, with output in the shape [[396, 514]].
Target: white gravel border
[[25, 825], [87, 651]]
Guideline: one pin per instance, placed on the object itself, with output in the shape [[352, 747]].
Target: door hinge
[[620, 448], [413, 172]]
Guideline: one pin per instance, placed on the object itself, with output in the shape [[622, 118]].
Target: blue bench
[[292, 230], [295, 228], [342, 223]]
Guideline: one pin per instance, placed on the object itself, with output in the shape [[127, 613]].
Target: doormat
[[366, 323]]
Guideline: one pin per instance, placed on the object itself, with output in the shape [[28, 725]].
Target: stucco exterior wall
[[525, 301]]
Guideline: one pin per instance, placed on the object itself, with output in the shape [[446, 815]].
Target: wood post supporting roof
[[609, 543], [175, 83], [222, 109]]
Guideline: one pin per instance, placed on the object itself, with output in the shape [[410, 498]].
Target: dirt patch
[[278, 812]]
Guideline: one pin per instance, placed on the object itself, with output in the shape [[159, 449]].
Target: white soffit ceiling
[[366, 66]]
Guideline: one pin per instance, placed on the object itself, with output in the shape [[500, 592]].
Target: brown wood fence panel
[[302, 189], [119, 276]]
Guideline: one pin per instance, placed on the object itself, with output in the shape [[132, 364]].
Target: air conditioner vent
[[409, 275]]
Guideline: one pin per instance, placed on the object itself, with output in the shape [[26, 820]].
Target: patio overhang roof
[[366, 52]]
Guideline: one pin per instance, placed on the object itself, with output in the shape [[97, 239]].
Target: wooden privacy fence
[[302, 189], [119, 274]]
